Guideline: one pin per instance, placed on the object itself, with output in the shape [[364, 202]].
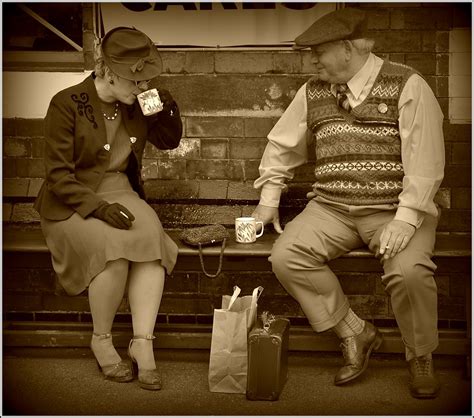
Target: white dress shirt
[[422, 145]]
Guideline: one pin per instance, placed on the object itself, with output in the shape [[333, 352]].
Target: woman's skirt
[[80, 248]]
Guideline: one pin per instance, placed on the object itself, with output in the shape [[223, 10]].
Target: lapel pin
[[107, 147], [382, 108], [133, 139]]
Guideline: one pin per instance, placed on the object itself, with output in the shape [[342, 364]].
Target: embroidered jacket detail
[[84, 108]]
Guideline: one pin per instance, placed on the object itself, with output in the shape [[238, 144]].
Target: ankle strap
[[144, 337], [102, 336]]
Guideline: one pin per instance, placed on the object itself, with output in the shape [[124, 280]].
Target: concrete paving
[[67, 382]]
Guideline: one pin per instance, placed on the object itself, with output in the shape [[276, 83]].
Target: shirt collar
[[360, 79]]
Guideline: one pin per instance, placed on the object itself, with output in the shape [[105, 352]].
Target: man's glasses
[[143, 85]]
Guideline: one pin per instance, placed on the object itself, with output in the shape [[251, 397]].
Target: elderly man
[[377, 130]]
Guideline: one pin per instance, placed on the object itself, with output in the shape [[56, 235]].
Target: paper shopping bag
[[231, 325]]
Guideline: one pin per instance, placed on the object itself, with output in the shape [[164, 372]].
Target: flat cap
[[347, 23]]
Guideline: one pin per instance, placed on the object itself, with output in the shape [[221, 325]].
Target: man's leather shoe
[[423, 382], [356, 351]]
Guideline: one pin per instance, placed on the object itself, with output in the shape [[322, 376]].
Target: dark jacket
[[75, 157]]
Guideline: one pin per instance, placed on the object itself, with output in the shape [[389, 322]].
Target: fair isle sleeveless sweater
[[358, 155]]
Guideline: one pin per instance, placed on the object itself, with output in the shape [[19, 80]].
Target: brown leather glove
[[169, 105], [115, 215]]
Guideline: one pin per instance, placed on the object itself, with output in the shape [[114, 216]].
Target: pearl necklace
[[115, 113]]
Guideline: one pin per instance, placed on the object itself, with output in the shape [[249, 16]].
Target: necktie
[[341, 97]]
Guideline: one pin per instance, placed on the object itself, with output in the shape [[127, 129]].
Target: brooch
[[382, 108]]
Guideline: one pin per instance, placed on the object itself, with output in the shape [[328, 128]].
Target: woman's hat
[[131, 54]]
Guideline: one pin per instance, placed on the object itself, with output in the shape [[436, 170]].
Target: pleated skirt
[[80, 248]]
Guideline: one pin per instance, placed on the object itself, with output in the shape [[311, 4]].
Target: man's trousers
[[322, 232]]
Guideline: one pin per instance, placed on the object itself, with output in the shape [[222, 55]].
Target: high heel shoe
[[147, 378], [118, 372]]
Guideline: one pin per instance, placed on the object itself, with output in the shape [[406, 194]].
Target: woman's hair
[[363, 45], [100, 65]]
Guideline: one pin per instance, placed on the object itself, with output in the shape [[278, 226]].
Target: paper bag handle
[[234, 296], [253, 307]]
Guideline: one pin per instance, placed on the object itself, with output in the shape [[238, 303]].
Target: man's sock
[[350, 325]]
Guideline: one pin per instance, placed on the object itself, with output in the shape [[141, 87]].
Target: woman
[[100, 231]]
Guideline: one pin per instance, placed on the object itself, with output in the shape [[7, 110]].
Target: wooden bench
[[23, 243]]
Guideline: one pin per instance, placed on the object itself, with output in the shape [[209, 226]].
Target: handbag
[[203, 236], [230, 328]]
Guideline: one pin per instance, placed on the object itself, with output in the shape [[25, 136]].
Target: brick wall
[[229, 102]]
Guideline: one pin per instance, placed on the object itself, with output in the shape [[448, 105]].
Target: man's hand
[[267, 214], [395, 237]]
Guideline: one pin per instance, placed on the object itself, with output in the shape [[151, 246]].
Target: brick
[[37, 147], [455, 220], [9, 167], [307, 67], [188, 148], [358, 284], [459, 285], [397, 58], [442, 41], [17, 147], [149, 169], [461, 153], [29, 127], [378, 19], [428, 41], [181, 283], [397, 19], [24, 213], [22, 167], [442, 64], [285, 306], [451, 308], [36, 168], [250, 170], [214, 148], [369, 306], [243, 62], [213, 189], [209, 214], [171, 215], [199, 62], [172, 169], [7, 211], [287, 62], [457, 176], [213, 170], [461, 198], [215, 127], [231, 94], [442, 87], [397, 41], [14, 301], [39, 280], [242, 191], [173, 62], [424, 63], [9, 127], [66, 303], [442, 283], [34, 187], [185, 305], [15, 187], [171, 189], [258, 127], [248, 148]]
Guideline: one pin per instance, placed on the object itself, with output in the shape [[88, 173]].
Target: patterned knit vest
[[358, 155]]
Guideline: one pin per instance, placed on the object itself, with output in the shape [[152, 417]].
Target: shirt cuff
[[411, 216], [270, 196]]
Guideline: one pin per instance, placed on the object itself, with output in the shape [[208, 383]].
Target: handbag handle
[[221, 256]]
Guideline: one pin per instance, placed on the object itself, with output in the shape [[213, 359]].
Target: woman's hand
[[115, 215], [267, 214], [169, 105]]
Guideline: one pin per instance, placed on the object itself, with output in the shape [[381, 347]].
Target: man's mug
[[246, 230], [150, 102]]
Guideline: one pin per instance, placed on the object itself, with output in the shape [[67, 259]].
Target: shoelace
[[423, 367], [347, 346]]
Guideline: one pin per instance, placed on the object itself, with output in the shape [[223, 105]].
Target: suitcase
[[267, 359]]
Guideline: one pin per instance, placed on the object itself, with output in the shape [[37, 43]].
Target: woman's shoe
[[117, 372], [147, 378]]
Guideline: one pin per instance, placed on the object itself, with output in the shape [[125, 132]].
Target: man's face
[[330, 61]]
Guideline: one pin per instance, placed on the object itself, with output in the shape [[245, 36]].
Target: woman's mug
[[246, 229], [150, 102]]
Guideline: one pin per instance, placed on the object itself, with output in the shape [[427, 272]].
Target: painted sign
[[211, 24]]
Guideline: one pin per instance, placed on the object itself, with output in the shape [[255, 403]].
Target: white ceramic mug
[[246, 229], [150, 102]]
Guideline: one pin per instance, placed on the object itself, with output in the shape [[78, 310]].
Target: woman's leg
[[105, 295], [144, 293]]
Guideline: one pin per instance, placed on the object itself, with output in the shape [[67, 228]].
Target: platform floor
[[67, 382]]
